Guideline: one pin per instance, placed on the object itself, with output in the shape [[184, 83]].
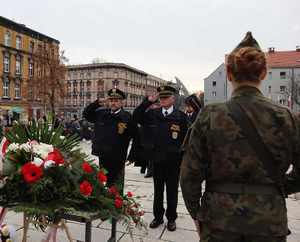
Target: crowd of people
[[241, 149]]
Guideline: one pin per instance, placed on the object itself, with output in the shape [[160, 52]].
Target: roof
[[283, 59], [21, 28], [106, 64], [221, 66]]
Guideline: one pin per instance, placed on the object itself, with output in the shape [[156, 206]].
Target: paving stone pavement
[[143, 187]]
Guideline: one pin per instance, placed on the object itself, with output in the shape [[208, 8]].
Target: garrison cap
[[248, 41], [116, 93], [193, 101], [166, 91]]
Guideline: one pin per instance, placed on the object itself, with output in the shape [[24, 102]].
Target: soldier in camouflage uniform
[[241, 201]]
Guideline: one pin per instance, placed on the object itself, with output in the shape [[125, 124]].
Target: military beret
[[193, 101], [248, 41], [166, 91], [116, 93]]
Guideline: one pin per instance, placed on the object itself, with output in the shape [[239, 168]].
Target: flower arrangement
[[6, 233], [45, 173]]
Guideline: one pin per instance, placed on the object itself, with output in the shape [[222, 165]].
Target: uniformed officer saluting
[[169, 127], [113, 130]]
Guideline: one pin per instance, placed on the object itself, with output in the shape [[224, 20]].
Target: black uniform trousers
[[165, 174], [115, 169]]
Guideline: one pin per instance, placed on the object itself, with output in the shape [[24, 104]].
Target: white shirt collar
[[116, 112], [169, 110]]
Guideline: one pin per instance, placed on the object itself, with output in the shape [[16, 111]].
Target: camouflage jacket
[[216, 150]]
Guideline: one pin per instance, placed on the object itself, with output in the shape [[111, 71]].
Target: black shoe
[[143, 170], [171, 226], [148, 175], [155, 223]]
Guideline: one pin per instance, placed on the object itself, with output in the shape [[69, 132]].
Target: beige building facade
[[86, 83]]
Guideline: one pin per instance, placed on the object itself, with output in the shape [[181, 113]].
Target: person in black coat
[[113, 129], [142, 148], [167, 129], [192, 108]]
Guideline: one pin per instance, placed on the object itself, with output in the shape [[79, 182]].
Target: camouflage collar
[[246, 90]]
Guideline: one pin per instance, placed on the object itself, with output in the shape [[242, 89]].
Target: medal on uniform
[[174, 135], [121, 127], [175, 129]]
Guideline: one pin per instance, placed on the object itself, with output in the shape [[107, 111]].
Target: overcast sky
[[167, 38]]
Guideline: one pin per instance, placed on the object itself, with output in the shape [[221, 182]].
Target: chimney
[[271, 49], [298, 48]]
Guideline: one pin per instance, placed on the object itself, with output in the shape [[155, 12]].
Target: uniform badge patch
[[174, 135], [121, 127]]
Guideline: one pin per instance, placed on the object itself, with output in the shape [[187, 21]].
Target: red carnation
[[129, 194], [101, 177], [118, 203], [31, 172], [113, 190], [56, 156], [86, 188], [87, 167]]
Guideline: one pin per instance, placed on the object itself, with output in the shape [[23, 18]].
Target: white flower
[[49, 163], [42, 149], [13, 147], [37, 161], [62, 137], [33, 142], [26, 147]]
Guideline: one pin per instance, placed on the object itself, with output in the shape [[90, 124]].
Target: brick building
[[18, 45]]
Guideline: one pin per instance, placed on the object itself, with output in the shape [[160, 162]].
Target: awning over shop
[[17, 109]]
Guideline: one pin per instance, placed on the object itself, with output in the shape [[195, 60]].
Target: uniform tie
[[166, 113]]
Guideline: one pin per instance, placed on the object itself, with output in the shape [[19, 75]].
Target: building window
[[17, 89], [18, 42], [40, 47], [282, 75], [31, 46], [115, 83], [282, 88], [18, 65], [6, 62], [30, 69], [5, 87], [74, 87], [7, 38], [282, 101], [214, 93], [270, 75], [214, 83]]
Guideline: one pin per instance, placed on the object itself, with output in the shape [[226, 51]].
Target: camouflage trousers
[[208, 235]]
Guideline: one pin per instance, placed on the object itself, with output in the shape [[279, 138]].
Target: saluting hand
[[153, 97], [102, 102]]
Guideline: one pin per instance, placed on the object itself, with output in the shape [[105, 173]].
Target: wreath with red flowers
[[46, 172]]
